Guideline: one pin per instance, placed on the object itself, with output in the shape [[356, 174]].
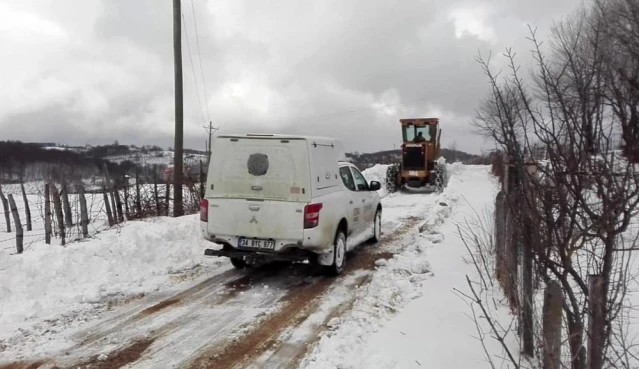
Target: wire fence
[[137, 198]]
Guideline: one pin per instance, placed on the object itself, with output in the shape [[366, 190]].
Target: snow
[[49, 281], [409, 315], [35, 197], [377, 173]]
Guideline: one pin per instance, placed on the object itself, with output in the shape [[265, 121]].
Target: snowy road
[[264, 317]]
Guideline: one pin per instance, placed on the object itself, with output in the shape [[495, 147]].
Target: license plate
[[256, 243], [412, 173]]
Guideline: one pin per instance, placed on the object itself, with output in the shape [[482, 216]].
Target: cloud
[[99, 70], [472, 20]]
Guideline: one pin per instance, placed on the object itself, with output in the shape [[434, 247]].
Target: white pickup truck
[[285, 197]]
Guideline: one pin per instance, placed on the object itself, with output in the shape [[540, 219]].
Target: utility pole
[[210, 129], [178, 171]]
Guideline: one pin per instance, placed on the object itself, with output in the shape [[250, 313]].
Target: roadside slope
[[50, 290], [406, 320]]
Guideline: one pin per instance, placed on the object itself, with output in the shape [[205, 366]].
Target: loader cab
[[419, 164], [410, 132], [420, 145]]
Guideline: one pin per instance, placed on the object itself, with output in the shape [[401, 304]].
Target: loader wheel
[[441, 177], [391, 178]]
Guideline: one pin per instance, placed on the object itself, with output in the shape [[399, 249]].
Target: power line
[[197, 90], [199, 55]]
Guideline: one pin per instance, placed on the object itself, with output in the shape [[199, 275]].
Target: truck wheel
[[339, 255], [441, 177], [377, 227], [391, 178], [238, 263]]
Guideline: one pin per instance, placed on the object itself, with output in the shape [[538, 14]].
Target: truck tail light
[[312, 215], [204, 210]]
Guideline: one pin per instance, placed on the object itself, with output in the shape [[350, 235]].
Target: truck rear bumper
[[232, 240], [259, 256]]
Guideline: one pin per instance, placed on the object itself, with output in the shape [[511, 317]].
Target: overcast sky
[[95, 71]]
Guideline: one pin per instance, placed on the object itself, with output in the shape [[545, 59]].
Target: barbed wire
[[145, 199]]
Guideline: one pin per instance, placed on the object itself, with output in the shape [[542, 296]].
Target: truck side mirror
[[375, 186]]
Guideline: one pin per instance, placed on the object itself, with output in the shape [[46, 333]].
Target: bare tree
[[570, 213], [617, 21]]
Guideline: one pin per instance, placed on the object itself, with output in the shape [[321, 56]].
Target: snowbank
[[409, 316], [47, 281], [377, 173]]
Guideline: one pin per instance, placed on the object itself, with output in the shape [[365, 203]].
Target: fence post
[[596, 322], [201, 180], [127, 211], [57, 205], [47, 214], [138, 203], [68, 215], [27, 210], [18, 224], [118, 204], [500, 237], [506, 177], [526, 303], [5, 205], [111, 208], [167, 195], [552, 314], [156, 196], [107, 206], [513, 237], [84, 214]]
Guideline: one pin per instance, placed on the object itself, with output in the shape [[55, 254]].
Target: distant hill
[[368, 160], [37, 161]]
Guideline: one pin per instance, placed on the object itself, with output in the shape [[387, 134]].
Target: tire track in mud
[[301, 301], [23, 365], [282, 354], [215, 291], [181, 298], [122, 357]]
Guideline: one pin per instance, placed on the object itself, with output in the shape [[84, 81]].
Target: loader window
[[411, 131]]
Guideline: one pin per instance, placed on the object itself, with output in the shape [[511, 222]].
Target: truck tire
[[339, 255], [441, 177], [391, 178], [238, 263], [377, 227]]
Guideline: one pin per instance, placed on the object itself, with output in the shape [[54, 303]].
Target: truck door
[[354, 201], [366, 200]]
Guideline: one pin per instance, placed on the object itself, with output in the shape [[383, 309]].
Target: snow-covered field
[[408, 315]]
